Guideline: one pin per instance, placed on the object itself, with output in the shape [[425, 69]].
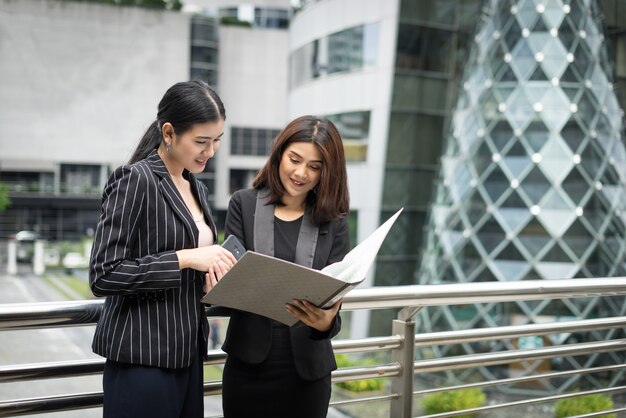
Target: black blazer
[[152, 314], [249, 336]]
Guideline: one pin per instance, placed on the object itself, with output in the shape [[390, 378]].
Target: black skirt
[[273, 388]]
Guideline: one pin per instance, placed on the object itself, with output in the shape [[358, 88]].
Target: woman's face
[[300, 169], [192, 149]]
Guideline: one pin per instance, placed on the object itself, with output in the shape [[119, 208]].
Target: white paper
[[357, 262]]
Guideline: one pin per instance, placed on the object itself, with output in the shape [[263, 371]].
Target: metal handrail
[[79, 313], [74, 313], [86, 367]]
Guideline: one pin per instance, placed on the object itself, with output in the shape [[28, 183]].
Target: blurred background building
[[81, 81], [531, 181]]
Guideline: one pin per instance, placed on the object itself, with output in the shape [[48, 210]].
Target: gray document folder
[[263, 285]]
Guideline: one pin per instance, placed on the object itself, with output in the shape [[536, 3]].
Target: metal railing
[[401, 343]]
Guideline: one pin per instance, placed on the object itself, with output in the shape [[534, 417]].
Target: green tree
[[5, 201]]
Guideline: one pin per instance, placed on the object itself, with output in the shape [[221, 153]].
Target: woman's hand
[[311, 315], [214, 275], [206, 258]]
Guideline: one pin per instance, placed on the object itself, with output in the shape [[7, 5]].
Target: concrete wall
[[253, 74], [80, 82]]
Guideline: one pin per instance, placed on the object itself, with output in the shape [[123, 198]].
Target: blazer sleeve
[[113, 268]]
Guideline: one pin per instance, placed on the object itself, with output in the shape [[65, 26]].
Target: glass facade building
[[531, 180], [351, 49], [431, 43]]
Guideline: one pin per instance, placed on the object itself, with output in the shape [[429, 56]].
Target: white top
[[205, 236]]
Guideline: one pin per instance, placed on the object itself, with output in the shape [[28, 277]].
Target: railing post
[[12, 257], [38, 264], [405, 355]]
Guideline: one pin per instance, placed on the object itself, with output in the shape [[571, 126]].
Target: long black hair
[[183, 105]]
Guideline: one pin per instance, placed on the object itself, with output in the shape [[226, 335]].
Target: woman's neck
[[176, 173], [292, 208]]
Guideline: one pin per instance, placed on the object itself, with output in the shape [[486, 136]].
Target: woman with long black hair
[[153, 256]]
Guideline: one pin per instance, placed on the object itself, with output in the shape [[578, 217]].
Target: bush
[[358, 385], [456, 400], [580, 405], [233, 21]]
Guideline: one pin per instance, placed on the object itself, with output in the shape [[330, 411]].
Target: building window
[[421, 48], [271, 18], [240, 179], [258, 17], [354, 128], [204, 50], [80, 178], [251, 141], [28, 182], [348, 50]]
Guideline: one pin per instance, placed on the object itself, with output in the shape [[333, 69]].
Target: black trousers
[[138, 391], [273, 388]]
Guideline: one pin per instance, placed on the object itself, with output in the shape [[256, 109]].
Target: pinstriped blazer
[[152, 314]]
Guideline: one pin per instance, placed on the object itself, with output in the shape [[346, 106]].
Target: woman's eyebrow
[[208, 137], [300, 157]]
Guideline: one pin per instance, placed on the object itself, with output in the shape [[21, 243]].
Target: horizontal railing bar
[[481, 292], [50, 314], [367, 344], [511, 380], [523, 402], [512, 331], [600, 414], [73, 368], [69, 402], [53, 370], [73, 313], [50, 404], [489, 359], [391, 396], [366, 372]]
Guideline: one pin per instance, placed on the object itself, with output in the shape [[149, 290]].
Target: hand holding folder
[[263, 285]]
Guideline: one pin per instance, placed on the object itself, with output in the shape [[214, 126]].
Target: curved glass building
[[531, 181]]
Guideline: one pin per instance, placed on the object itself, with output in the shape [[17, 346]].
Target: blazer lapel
[[264, 225], [307, 241], [172, 196], [264, 232]]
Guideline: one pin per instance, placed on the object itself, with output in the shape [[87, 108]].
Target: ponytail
[[150, 141]]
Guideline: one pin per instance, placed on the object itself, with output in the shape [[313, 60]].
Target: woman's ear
[[167, 130]]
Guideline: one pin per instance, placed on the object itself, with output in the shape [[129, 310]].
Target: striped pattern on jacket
[[152, 314]]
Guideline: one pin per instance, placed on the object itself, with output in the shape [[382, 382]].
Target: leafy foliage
[[151, 4], [233, 21], [580, 405], [5, 200], [358, 385], [456, 400]]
